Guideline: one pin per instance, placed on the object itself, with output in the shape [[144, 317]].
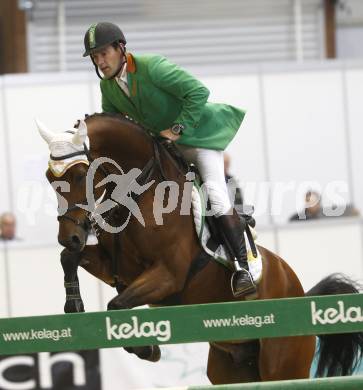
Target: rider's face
[[108, 60]]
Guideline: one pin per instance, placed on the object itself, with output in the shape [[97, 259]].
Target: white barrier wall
[[320, 248], [4, 178], [4, 299], [247, 149], [58, 100], [354, 94], [305, 134]]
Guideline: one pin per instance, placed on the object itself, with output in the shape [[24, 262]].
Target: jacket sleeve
[[107, 106], [179, 83]]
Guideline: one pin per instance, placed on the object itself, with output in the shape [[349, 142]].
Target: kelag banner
[[220, 321], [56, 371]]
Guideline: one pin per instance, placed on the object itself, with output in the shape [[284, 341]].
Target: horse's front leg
[[94, 260], [152, 286], [70, 262]]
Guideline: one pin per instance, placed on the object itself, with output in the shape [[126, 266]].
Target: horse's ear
[[44, 132], [81, 133]]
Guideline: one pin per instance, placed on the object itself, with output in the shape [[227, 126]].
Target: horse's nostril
[[75, 240]]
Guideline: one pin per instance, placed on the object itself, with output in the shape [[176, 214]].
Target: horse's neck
[[123, 142]]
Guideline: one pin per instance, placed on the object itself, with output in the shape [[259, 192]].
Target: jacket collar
[[131, 66]]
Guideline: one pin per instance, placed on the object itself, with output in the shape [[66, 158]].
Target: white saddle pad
[[221, 254]]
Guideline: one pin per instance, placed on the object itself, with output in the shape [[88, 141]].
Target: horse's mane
[[115, 115], [142, 131]]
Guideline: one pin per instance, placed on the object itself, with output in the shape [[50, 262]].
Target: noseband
[[86, 224]]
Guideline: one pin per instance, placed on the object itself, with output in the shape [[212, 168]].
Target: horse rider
[[171, 103]]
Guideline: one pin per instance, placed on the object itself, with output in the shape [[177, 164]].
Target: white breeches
[[210, 164]]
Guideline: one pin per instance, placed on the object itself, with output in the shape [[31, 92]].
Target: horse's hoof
[[112, 306], [156, 354], [116, 304], [150, 353], [74, 306]]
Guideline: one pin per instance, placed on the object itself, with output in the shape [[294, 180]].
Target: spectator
[[7, 226], [312, 210]]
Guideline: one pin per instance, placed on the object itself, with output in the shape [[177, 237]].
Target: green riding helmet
[[100, 35]]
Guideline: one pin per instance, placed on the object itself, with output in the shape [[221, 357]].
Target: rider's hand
[[169, 135]]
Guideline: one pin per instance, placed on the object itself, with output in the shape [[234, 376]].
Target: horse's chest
[[124, 259]]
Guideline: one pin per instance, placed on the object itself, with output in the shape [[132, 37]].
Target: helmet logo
[[92, 36]]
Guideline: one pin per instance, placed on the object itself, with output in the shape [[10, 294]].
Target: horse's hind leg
[[286, 358], [150, 353], [225, 367], [70, 262]]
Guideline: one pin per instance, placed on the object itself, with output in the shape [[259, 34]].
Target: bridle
[[153, 165], [143, 178], [86, 223]]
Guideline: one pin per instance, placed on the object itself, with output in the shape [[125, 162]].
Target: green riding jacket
[[162, 94]]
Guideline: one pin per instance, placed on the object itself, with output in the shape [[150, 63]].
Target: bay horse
[[154, 264]]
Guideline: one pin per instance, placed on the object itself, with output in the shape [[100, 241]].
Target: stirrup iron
[[251, 289]]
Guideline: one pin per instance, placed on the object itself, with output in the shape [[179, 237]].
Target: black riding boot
[[231, 229]]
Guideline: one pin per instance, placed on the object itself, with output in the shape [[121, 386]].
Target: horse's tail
[[339, 354]]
